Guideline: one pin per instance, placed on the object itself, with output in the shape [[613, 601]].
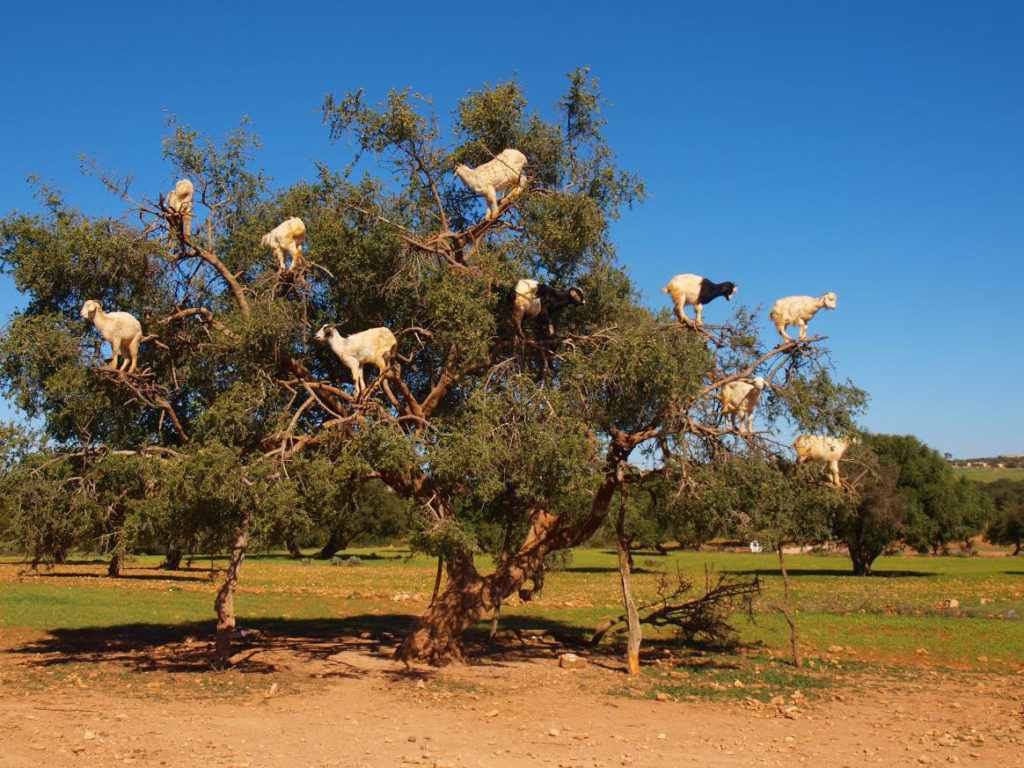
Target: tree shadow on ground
[[798, 572], [170, 576], [325, 648]]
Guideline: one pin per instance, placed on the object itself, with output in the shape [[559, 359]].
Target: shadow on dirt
[[325, 648]]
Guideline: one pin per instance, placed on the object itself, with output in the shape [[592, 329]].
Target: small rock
[[738, 684], [951, 603], [571, 661], [420, 684], [985, 600], [921, 651], [924, 759], [492, 713], [662, 736], [983, 658], [835, 649], [554, 732], [663, 697], [274, 689], [89, 735]]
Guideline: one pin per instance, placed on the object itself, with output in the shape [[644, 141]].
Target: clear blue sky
[[869, 148]]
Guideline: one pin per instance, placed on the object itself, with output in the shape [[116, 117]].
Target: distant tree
[[908, 494], [1007, 525]]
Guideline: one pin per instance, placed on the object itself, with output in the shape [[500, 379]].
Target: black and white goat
[[532, 299], [698, 291]]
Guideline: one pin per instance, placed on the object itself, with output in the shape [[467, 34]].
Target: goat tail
[[665, 289]]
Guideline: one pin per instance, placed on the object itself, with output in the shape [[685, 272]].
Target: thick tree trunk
[[625, 567], [224, 603], [468, 596], [335, 543], [787, 612], [1017, 550], [115, 566], [862, 558], [172, 559], [293, 548]]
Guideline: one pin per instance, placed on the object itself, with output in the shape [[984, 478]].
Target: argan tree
[[488, 435]]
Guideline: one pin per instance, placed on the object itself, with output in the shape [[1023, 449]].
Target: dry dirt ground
[[353, 706]]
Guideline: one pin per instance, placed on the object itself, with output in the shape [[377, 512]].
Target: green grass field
[[988, 475], [895, 617]]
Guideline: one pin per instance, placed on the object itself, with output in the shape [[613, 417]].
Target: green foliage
[[910, 495], [1007, 524]]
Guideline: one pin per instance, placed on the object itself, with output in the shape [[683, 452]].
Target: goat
[[739, 398], [179, 203], [698, 291], [823, 448], [121, 329], [798, 310], [377, 346], [502, 174], [532, 299], [286, 237]]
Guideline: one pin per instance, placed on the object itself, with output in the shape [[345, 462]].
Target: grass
[[898, 616], [989, 474]]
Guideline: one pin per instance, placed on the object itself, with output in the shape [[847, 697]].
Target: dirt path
[[358, 708]]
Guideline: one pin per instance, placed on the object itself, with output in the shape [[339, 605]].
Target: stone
[[571, 661], [835, 649], [952, 603], [663, 697]]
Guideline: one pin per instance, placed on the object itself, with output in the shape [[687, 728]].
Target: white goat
[[286, 237], [121, 329], [179, 202], [739, 398], [823, 448], [698, 291], [798, 310], [377, 346], [503, 173]]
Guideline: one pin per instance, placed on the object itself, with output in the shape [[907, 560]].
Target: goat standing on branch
[[698, 291], [121, 329], [798, 310], [286, 237], [739, 398], [377, 346], [502, 174], [532, 299], [823, 448], [179, 204]]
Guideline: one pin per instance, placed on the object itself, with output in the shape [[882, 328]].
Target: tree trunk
[[862, 559], [224, 603], [293, 548], [335, 542], [625, 567], [437, 578], [495, 618], [114, 567], [787, 612], [1017, 550], [468, 596], [172, 560]]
